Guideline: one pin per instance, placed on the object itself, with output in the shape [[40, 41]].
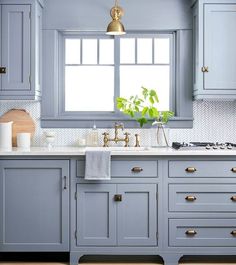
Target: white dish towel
[[98, 165]]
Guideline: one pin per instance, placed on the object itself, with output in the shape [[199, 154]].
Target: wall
[[213, 121]]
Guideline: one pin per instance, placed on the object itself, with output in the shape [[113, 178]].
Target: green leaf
[[144, 111], [150, 112], [142, 121], [151, 100], [155, 112], [120, 105], [136, 109]]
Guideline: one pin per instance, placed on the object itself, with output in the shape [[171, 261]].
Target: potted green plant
[[143, 108]]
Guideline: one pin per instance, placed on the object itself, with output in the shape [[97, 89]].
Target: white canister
[[6, 135], [23, 140]]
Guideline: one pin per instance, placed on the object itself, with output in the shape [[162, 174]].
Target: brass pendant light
[[115, 27]]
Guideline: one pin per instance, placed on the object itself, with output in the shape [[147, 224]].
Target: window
[[97, 69], [84, 72]]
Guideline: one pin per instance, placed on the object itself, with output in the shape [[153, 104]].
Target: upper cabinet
[[214, 49], [20, 54]]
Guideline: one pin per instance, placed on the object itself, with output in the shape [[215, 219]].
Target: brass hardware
[[137, 140], [3, 70], [105, 139], [126, 139], [190, 198], [116, 139], [233, 233], [233, 169], [205, 69], [233, 198], [190, 169], [191, 232], [136, 169], [115, 27], [118, 198]]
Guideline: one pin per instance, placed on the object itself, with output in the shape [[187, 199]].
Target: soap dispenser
[[92, 137]]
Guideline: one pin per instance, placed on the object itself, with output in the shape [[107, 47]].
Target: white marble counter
[[115, 151]]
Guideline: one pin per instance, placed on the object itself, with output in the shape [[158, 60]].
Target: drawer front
[[123, 168], [210, 169], [202, 198], [202, 232]]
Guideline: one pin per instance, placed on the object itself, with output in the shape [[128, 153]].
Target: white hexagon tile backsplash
[[213, 121]]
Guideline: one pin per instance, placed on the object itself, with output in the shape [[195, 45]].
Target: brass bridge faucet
[[116, 139]]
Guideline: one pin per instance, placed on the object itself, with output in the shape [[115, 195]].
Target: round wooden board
[[22, 122]]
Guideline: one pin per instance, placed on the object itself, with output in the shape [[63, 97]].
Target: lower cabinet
[[116, 214], [34, 205]]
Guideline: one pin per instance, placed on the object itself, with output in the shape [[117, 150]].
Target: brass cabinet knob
[[190, 198], [136, 169], [118, 198], [233, 198], [233, 169], [191, 232], [205, 69], [233, 233], [190, 169]]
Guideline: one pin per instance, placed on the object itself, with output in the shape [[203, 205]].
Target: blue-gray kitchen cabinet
[[20, 56], [34, 205], [116, 215], [214, 57]]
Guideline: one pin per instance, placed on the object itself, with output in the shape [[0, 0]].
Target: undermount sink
[[117, 148]]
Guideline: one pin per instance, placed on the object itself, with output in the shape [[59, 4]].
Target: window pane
[[144, 47], [89, 88], [72, 51], [162, 51], [156, 77], [89, 53], [106, 52], [127, 50]]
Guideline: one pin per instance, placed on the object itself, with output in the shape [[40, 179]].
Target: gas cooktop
[[203, 145]]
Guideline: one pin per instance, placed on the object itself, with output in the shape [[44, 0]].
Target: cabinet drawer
[[202, 198], [123, 168], [210, 169], [202, 232]]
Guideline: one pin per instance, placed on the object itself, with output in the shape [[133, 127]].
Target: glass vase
[[160, 135]]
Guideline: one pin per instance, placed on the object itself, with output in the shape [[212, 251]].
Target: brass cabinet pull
[[136, 169], [191, 232], [190, 198], [190, 169], [233, 233], [205, 69], [3, 70], [233, 198], [118, 198], [233, 169]]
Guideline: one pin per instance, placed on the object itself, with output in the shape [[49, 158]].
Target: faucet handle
[[126, 139], [137, 140], [105, 139]]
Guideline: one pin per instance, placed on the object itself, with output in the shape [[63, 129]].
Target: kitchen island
[[164, 202]]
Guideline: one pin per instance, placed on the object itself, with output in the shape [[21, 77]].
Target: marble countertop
[[115, 151]]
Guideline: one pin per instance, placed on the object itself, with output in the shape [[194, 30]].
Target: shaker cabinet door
[[34, 205], [137, 215], [219, 47], [15, 49], [96, 215]]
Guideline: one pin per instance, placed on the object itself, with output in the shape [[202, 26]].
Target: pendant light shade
[[115, 27]]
